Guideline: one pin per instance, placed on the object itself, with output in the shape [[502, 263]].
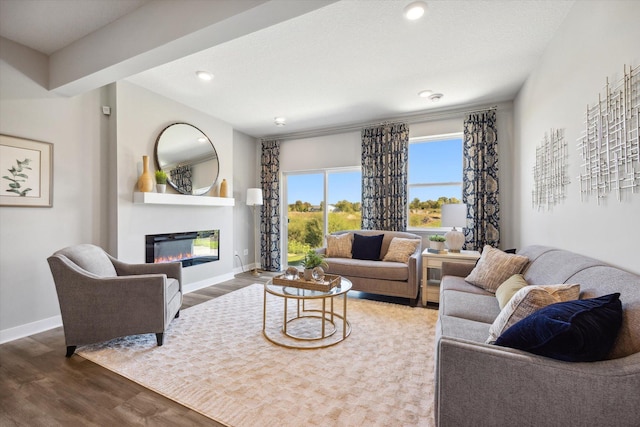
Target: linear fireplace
[[190, 248]]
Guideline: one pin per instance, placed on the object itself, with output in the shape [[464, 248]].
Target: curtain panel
[[270, 253], [385, 159], [480, 180]]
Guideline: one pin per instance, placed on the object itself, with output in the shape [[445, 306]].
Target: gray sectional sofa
[[478, 384], [380, 277]]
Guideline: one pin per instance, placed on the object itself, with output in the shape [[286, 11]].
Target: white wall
[[597, 39], [141, 116], [245, 175], [78, 131]]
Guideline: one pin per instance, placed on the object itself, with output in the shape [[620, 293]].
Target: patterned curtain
[[480, 180], [385, 154], [270, 217]]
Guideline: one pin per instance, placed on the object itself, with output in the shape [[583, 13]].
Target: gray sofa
[[381, 277], [478, 384]]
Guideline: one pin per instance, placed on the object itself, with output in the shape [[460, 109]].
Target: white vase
[[161, 188], [436, 245]]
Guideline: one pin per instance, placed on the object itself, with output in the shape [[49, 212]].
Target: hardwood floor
[[41, 387]]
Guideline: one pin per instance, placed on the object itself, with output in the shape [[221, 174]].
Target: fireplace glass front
[[190, 248]]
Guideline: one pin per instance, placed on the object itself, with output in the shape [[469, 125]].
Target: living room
[[97, 161]]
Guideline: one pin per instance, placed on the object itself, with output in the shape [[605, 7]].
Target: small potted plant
[[161, 181], [436, 242], [311, 260]]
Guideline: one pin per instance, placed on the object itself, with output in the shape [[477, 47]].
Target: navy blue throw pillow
[[573, 331], [366, 247]]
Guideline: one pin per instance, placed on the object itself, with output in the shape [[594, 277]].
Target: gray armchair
[[102, 298]]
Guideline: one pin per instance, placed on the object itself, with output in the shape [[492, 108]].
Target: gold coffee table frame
[[326, 314]]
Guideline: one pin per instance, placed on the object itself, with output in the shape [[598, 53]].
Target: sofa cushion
[[366, 247], [339, 246], [456, 327], [368, 269], [573, 331], [400, 250], [90, 258], [508, 289], [457, 304], [457, 283], [494, 267], [527, 301]]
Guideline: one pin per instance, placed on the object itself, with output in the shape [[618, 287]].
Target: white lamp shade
[[454, 215], [254, 196]]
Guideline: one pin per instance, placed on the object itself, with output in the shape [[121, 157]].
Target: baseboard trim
[[28, 329], [192, 287]]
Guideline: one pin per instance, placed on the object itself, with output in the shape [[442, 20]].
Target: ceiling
[[345, 63]]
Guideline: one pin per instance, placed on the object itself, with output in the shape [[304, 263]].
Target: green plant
[[161, 177], [18, 177], [437, 238], [312, 259]]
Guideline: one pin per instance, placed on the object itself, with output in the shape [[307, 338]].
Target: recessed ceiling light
[[279, 121], [204, 75], [436, 97], [415, 10], [425, 93], [202, 139]]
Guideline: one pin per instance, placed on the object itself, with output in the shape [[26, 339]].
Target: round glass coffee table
[[306, 319]]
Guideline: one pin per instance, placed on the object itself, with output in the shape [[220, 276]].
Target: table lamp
[[454, 215]]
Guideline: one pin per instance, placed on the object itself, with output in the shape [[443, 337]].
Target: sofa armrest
[[481, 384], [456, 269], [321, 251]]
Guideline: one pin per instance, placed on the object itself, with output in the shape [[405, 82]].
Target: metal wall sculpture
[[610, 143], [550, 174]]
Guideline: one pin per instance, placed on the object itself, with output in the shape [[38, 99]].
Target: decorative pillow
[[508, 289], [366, 247], [339, 246], [573, 331], [401, 249], [494, 267], [528, 300]]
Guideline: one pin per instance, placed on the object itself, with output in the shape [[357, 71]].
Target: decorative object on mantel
[[550, 176], [254, 198], [145, 182], [161, 181], [610, 143], [223, 189], [454, 215], [436, 243]]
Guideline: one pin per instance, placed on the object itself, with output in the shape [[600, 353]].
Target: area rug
[[216, 361]]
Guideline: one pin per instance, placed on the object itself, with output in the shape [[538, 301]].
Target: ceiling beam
[[159, 32]]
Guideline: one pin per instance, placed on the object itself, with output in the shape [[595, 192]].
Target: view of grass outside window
[[435, 178], [307, 225]]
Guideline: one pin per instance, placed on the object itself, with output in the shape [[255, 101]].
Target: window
[[307, 220], [435, 178]]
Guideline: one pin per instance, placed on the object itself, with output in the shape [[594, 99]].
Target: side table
[[431, 271]]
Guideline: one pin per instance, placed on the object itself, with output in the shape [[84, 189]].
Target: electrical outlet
[[246, 252], [235, 253]]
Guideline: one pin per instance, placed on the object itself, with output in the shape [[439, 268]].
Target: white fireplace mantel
[[180, 199]]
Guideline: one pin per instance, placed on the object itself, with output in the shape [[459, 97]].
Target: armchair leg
[[160, 338], [177, 314], [70, 350]]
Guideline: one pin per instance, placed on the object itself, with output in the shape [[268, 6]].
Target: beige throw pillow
[[494, 267], [401, 249], [527, 301], [339, 246], [508, 289]]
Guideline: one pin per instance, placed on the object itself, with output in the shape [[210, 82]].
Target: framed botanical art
[[26, 172]]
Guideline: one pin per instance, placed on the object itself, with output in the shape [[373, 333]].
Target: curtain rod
[[415, 118]]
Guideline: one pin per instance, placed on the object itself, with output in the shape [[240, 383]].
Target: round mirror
[[188, 157]]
